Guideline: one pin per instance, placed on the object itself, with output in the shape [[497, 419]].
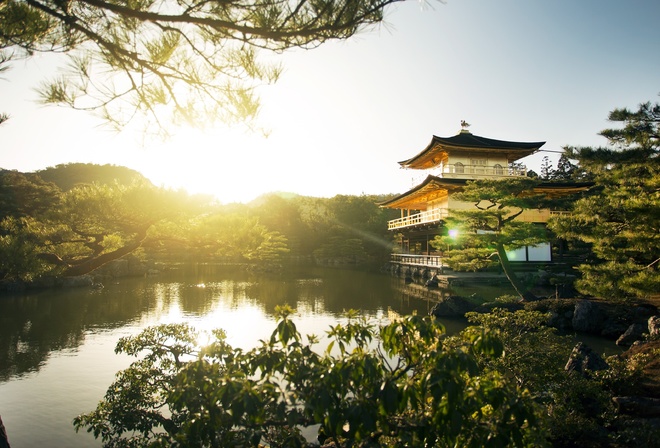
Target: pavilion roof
[[418, 197], [465, 141], [434, 187]]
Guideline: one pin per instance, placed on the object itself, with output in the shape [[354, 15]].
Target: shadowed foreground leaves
[[365, 384]]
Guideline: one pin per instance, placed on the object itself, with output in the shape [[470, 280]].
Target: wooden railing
[[417, 260], [433, 216], [426, 217], [485, 170]]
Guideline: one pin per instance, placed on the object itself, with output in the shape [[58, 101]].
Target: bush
[[400, 384]]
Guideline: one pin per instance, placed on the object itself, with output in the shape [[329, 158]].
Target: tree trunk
[[89, 265], [520, 288]]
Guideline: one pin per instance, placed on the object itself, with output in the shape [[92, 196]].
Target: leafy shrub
[[400, 384]]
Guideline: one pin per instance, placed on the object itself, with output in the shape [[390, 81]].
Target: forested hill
[[66, 176]]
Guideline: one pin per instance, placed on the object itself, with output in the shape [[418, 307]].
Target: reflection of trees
[[338, 290], [33, 326]]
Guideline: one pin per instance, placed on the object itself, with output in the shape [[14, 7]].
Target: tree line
[[71, 219]]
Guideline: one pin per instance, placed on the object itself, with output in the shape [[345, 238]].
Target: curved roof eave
[[448, 183], [467, 140], [548, 188]]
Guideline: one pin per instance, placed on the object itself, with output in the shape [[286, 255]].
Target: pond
[[57, 346]]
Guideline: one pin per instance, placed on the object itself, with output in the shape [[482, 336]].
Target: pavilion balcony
[[435, 216], [458, 170], [426, 217]]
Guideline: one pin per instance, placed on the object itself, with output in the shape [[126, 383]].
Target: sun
[[231, 165]]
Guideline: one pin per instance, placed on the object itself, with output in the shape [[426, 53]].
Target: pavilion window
[[459, 168], [498, 169], [478, 165]]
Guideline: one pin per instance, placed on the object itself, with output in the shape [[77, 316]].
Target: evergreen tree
[[485, 232], [565, 169], [547, 172], [171, 61], [621, 219]]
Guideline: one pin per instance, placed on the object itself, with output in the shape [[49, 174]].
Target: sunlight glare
[[243, 326], [233, 166]]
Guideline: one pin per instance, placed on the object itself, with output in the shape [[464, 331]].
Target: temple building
[[449, 162]]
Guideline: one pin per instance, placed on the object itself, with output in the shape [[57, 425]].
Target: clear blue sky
[[344, 114]]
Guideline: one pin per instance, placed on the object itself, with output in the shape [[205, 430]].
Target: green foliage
[[20, 245], [479, 237], [624, 375], [340, 250], [50, 232], [23, 195], [399, 384], [347, 228], [567, 170], [69, 175], [94, 217], [523, 334], [168, 62], [272, 247], [620, 218], [547, 172], [578, 409], [497, 203]]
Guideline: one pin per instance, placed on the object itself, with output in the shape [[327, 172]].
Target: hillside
[[66, 176]]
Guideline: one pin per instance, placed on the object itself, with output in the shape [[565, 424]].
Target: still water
[[57, 347]]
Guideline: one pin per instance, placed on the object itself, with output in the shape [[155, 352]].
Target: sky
[[342, 115]]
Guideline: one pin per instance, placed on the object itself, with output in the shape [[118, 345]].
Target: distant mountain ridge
[[66, 176]]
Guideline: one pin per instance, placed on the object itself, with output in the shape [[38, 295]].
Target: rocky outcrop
[[587, 317], [634, 333], [654, 326], [584, 360], [452, 306]]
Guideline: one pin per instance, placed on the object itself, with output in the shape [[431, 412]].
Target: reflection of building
[[449, 163]]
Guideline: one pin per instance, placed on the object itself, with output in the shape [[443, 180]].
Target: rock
[[488, 307], [561, 322], [433, 282], [587, 317], [633, 333], [654, 326], [644, 312], [613, 328], [452, 306], [583, 359]]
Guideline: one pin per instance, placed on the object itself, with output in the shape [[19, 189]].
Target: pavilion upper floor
[[432, 202]]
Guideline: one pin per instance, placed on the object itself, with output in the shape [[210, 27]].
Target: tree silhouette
[[171, 61]]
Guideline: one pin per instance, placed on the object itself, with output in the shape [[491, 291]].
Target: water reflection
[[57, 346], [36, 324]]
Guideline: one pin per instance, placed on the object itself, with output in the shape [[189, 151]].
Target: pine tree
[[171, 61], [546, 169], [621, 218], [565, 169], [490, 228]]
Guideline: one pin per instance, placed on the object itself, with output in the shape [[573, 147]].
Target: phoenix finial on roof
[[464, 124]]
